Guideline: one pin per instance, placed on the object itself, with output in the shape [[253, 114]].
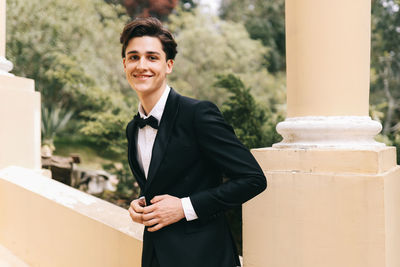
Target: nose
[[142, 64]]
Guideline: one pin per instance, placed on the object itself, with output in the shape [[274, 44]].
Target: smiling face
[[146, 67]]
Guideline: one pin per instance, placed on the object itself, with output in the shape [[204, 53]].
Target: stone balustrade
[[46, 223]]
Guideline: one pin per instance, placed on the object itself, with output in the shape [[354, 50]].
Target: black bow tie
[[151, 121]]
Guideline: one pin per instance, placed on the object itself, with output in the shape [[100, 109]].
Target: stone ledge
[[17, 83], [316, 160], [49, 224]]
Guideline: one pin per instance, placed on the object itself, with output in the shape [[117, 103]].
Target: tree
[[243, 113], [253, 124], [208, 47], [74, 58], [265, 21], [385, 68], [144, 8]]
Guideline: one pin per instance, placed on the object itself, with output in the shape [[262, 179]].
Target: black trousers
[[151, 259], [154, 261]]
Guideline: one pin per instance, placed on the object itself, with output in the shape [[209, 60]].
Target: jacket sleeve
[[219, 143]]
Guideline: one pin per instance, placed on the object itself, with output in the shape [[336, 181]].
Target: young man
[[179, 149]]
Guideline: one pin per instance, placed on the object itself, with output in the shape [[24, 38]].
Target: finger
[[149, 209], [158, 198], [139, 201], [136, 217], [132, 213], [151, 222], [155, 228], [134, 202], [142, 201], [149, 216], [136, 207]]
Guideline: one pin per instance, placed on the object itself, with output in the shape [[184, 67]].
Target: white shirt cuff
[[187, 206]]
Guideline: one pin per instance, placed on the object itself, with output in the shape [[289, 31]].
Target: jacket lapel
[[163, 134], [131, 132]]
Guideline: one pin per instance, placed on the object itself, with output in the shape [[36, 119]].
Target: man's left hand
[[164, 210]]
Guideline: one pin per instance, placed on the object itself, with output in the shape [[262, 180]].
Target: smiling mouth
[[141, 76]]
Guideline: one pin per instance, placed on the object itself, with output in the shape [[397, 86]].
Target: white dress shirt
[[145, 141]]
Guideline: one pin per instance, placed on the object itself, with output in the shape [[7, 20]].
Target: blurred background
[[231, 52]]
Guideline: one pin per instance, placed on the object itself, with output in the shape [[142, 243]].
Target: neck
[[150, 100]]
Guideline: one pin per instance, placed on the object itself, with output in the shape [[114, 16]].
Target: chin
[[143, 91]]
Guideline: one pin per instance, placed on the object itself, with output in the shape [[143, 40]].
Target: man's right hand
[[136, 209]]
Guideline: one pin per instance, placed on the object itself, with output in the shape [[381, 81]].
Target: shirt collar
[[158, 109]]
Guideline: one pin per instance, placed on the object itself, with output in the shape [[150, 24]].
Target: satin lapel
[[163, 134], [131, 131]]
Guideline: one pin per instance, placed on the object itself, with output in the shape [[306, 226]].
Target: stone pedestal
[[325, 207], [19, 123]]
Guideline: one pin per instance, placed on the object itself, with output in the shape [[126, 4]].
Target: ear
[[170, 65], [123, 62]]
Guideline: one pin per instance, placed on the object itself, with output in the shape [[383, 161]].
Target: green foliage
[[54, 120], [265, 21], [250, 120], [108, 128], [71, 49], [127, 188], [242, 112], [209, 46], [385, 68], [40, 33]]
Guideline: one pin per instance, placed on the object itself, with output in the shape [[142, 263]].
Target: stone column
[[19, 112], [5, 65], [328, 59], [332, 191]]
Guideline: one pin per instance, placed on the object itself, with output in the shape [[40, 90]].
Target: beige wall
[[328, 50], [19, 123], [48, 224]]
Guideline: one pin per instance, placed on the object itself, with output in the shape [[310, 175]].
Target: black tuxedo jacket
[[193, 150]]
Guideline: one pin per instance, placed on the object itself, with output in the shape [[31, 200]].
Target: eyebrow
[[147, 52]]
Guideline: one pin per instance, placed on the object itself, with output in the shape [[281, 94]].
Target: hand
[[165, 210], [136, 209]]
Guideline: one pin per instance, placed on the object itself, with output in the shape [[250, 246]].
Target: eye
[[133, 57], [153, 58]]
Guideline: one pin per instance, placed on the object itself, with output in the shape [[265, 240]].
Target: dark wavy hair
[[150, 26]]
